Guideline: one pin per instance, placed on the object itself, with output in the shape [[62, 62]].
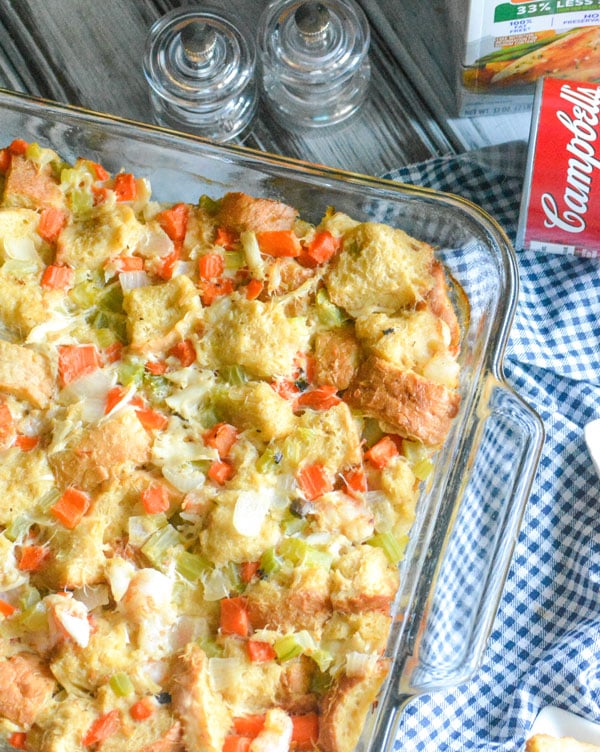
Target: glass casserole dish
[[469, 512]]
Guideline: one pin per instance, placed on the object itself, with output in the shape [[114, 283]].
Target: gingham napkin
[[545, 645]]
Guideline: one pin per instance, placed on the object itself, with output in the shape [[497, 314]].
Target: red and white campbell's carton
[[560, 209]]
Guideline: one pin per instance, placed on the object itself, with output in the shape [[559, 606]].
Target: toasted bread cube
[[202, 711], [408, 404], [22, 485], [363, 580], [88, 243], [344, 709], [337, 355], [160, 315], [26, 374], [26, 687], [110, 449], [158, 733], [23, 303], [30, 186], [260, 337], [240, 212], [257, 408], [66, 726], [547, 743], [380, 269]]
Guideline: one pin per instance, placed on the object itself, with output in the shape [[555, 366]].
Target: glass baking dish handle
[[467, 553]]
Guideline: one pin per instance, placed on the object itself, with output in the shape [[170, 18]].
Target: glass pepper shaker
[[314, 61], [200, 69]]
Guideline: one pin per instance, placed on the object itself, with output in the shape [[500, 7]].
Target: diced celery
[[18, 528], [234, 260], [270, 563], [298, 552], [34, 618], [292, 645], [48, 500], [121, 684], [33, 152], [269, 460], [329, 314], [19, 267], [320, 682], [322, 658], [158, 387], [112, 299], [235, 375], [82, 201], [159, 548], [29, 597], [298, 445], [392, 547], [191, 566], [371, 432], [292, 525], [113, 322], [131, 372], [210, 647], [84, 293], [414, 451], [423, 468], [208, 204], [106, 337]]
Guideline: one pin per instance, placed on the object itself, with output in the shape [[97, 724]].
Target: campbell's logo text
[[582, 121]]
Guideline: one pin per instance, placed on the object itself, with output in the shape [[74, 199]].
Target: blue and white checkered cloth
[[544, 648]]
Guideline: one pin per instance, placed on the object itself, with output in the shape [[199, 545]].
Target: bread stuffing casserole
[[214, 423]]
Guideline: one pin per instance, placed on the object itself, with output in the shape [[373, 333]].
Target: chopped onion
[[131, 280], [184, 477], [155, 242], [217, 584], [56, 323], [20, 249], [252, 252], [360, 664], [92, 596], [119, 572], [250, 511], [224, 672]]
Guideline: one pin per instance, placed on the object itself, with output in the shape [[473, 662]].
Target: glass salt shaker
[[314, 61], [200, 69]]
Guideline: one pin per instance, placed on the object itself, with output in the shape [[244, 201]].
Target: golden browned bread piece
[[240, 212], [345, 707], [26, 687], [30, 186], [411, 405], [546, 743]]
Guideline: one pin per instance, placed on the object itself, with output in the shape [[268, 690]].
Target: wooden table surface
[[89, 53]]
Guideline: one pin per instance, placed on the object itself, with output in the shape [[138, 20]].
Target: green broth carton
[[509, 44]]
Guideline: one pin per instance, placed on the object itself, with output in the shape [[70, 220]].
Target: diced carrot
[[323, 246], [185, 352], [220, 472], [142, 709], [221, 437], [355, 479], [235, 743], [286, 388], [152, 419], [174, 221], [254, 289], [382, 452], [305, 730], [7, 425], [18, 740], [234, 617], [71, 507], [112, 353], [125, 187], [52, 220], [320, 398], [116, 394], [5, 159], [156, 367], [18, 146], [103, 727], [249, 725], [260, 652], [99, 171], [129, 263], [314, 481], [226, 238], [32, 558], [26, 443], [56, 277], [167, 264], [279, 243], [210, 291], [75, 361], [211, 266], [6, 608], [155, 499], [248, 570]]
